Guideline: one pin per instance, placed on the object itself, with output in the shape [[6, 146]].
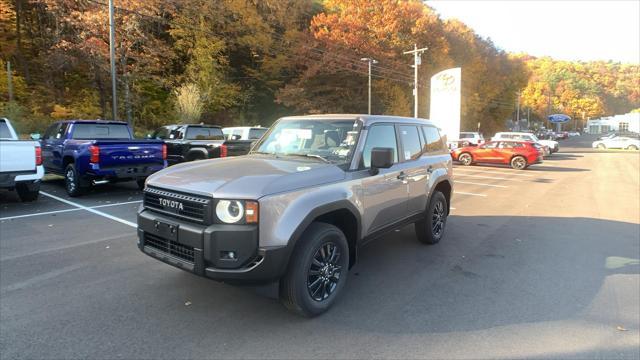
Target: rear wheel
[[519, 163], [28, 192], [465, 159], [72, 181], [140, 183], [431, 229], [317, 271]]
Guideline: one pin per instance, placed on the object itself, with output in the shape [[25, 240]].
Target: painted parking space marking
[[496, 171], [479, 184], [68, 210], [470, 194], [485, 177], [91, 210]]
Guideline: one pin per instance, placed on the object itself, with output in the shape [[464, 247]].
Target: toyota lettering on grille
[[171, 204]]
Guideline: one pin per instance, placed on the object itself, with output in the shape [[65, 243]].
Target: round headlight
[[229, 211]]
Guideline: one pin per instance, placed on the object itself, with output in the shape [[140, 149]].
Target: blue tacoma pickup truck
[[93, 152]]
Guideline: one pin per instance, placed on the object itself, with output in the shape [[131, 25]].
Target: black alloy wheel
[[324, 272]]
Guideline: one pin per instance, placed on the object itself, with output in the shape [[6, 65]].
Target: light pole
[[416, 61], [112, 57], [370, 61]]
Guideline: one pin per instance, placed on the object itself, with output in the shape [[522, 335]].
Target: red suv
[[518, 154]]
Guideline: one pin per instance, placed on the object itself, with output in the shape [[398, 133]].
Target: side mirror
[[381, 158], [35, 136]]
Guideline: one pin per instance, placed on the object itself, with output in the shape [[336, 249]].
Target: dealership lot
[[535, 263]]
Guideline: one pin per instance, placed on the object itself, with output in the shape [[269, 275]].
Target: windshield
[[326, 140]]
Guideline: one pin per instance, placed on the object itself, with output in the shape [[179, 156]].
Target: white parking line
[[505, 172], [471, 194], [480, 184], [123, 221], [69, 210], [484, 177]]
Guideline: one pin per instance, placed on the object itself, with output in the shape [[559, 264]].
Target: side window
[[175, 134], [491, 145], [379, 136], [506, 145], [61, 131], [434, 142], [51, 130], [237, 133], [410, 142]]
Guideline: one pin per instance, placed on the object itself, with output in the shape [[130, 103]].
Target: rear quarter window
[[5, 133], [204, 133]]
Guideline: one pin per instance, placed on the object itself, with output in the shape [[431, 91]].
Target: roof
[[367, 119], [93, 121]]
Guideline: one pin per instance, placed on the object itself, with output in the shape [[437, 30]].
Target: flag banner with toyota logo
[[445, 102]]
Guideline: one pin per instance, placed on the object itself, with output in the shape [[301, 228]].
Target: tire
[[519, 162], [317, 271], [602, 146], [72, 182], [196, 155], [632, 147], [431, 230], [465, 159], [28, 193], [140, 183]]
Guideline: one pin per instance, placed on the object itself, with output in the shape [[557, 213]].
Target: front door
[[486, 152], [385, 194]]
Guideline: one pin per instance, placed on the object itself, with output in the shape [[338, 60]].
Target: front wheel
[[430, 230], [465, 159], [317, 272], [632, 147], [519, 163], [28, 192], [602, 146]]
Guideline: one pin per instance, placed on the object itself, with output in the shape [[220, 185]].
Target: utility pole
[[112, 57], [9, 81], [370, 61], [528, 118], [518, 112], [417, 59]]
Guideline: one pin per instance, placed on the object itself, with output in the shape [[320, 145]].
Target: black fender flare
[[315, 213]]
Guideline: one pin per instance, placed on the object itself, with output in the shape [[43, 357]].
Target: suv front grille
[[182, 252], [184, 206]]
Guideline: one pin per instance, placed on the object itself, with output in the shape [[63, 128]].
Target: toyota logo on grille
[[171, 204]]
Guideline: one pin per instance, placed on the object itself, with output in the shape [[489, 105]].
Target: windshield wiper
[[311, 156]]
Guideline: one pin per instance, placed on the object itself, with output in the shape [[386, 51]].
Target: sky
[[567, 30]]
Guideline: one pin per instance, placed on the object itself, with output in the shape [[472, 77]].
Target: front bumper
[[204, 249]]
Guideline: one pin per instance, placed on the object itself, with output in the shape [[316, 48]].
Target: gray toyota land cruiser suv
[[296, 209]]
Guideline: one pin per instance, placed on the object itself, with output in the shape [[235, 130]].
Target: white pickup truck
[[20, 163]]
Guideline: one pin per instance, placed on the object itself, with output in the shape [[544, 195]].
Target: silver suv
[[296, 208]]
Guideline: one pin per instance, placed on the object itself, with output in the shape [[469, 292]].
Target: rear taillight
[[38, 155], [223, 150], [94, 151], [164, 151]]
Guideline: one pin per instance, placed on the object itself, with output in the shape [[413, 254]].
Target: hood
[[245, 177]]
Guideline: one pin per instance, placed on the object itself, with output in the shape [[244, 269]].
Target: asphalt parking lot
[[536, 263]]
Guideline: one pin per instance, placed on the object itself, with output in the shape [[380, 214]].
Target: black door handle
[[430, 169], [402, 176]]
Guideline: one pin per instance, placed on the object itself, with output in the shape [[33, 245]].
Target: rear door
[[415, 167], [385, 194]]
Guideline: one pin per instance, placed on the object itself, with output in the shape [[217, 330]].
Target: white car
[[617, 142], [244, 132], [20, 163], [553, 145], [471, 138]]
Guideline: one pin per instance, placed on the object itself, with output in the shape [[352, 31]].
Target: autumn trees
[[250, 61]]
